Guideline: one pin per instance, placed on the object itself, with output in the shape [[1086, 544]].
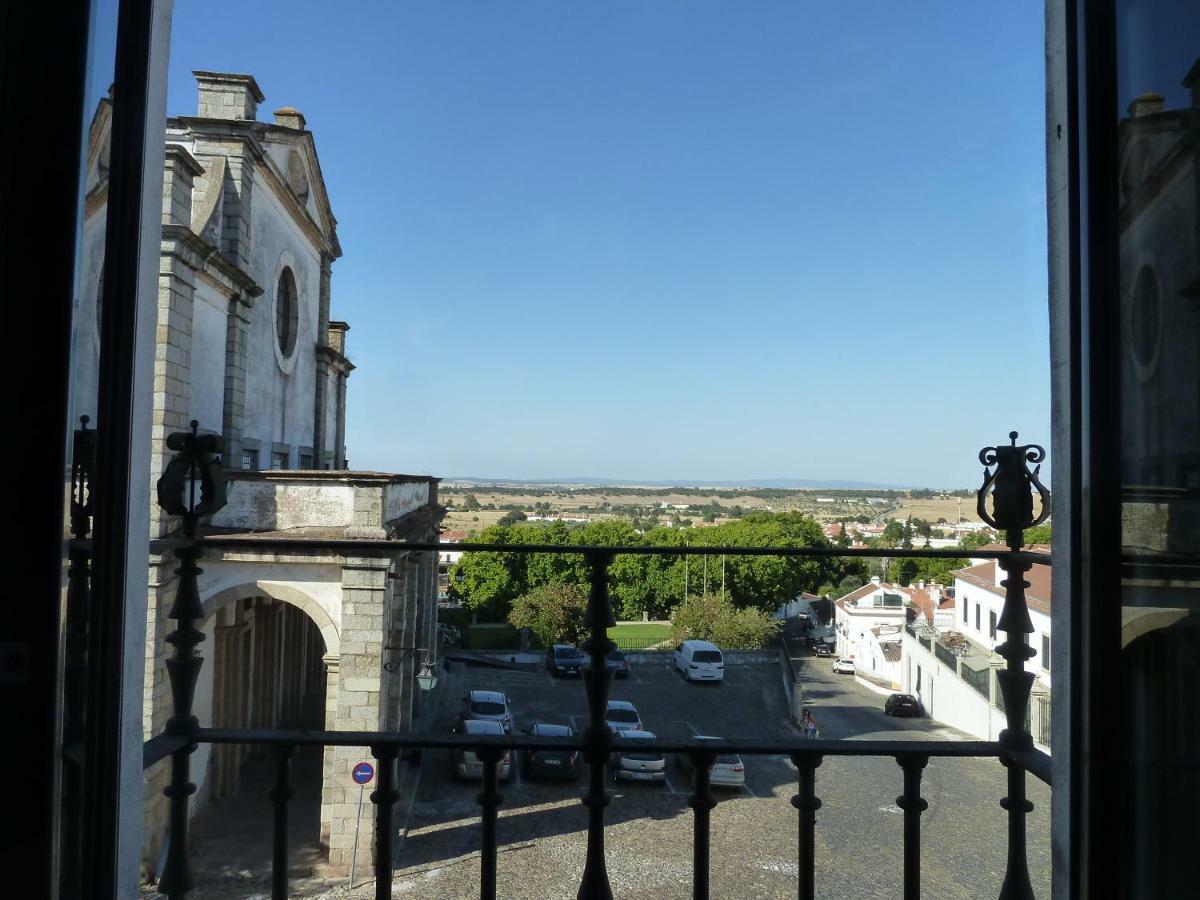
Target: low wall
[[660, 657]]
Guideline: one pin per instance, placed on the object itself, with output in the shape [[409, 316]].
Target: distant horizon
[[796, 484]]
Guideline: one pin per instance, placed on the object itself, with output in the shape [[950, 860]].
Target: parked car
[[557, 763], [467, 764], [727, 771], [843, 667], [902, 705], [617, 664], [622, 715], [699, 661], [637, 764], [565, 659], [487, 706], [823, 650]]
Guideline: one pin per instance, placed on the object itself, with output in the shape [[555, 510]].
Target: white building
[[866, 621], [244, 345], [953, 673]]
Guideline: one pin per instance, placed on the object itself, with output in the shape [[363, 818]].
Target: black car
[[557, 763], [902, 705], [823, 649], [565, 659], [617, 664]]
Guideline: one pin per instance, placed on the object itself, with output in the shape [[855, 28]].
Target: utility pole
[[685, 571], [706, 575], [722, 576]]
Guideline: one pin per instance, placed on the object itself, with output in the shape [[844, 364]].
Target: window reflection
[[1159, 221]]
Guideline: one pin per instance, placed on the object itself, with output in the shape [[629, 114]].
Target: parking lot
[[542, 827]]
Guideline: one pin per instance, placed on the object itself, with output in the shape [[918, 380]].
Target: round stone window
[[287, 313], [1145, 320]]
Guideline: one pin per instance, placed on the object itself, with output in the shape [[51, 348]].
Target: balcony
[[1013, 750]]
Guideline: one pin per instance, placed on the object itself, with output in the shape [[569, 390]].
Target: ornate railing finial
[[195, 462], [1012, 485]]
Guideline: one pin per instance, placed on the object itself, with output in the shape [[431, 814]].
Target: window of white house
[[279, 460], [992, 623], [249, 459], [306, 460], [965, 607], [1046, 652], [976, 616]]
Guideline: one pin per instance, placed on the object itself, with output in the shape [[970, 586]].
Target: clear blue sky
[[693, 240]]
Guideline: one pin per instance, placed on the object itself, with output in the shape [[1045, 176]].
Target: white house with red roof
[[953, 673]]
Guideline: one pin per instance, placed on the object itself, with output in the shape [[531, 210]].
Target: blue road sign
[[363, 773]]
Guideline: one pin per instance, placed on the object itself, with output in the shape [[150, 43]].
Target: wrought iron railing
[[195, 469]]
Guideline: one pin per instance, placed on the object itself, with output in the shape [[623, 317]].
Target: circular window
[[1145, 318], [286, 312]]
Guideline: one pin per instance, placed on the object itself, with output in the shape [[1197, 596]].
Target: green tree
[[1040, 534], [512, 517], [555, 612], [710, 618], [847, 584], [470, 503]]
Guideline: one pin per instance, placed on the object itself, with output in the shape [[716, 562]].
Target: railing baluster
[[1012, 486], [913, 805], [384, 797], [489, 801], [702, 802], [79, 603], [280, 795], [807, 803], [596, 736]]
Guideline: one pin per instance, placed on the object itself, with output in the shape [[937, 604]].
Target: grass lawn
[[639, 635]]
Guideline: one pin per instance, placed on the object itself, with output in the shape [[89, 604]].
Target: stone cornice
[[181, 241], [177, 152], [340, 363]]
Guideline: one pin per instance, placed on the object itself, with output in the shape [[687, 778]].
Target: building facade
[[246, 348]]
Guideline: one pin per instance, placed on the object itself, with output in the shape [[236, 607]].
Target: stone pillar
[[355, 702], [321, 395], [339, 446], [233, 411]]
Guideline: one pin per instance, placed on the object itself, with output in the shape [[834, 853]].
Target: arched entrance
[[269, 644]]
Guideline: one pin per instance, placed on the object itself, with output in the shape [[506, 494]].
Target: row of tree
[[490, 582]]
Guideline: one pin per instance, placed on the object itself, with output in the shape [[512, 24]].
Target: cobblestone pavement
[[542, 827]]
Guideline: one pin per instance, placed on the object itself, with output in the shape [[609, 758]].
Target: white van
[[699, 661]]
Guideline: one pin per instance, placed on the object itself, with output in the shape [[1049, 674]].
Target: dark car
[[565, 659], [823, 650], [902, 705], [617, 664], [556, 763]]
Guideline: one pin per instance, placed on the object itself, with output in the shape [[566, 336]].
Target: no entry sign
[[363, 773]]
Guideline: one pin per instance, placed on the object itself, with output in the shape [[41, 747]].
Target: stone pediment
[[292, 154]]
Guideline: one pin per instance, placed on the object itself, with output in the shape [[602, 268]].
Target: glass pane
[[1158, 69]]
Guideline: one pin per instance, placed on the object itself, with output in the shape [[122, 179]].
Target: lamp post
[[427, 678]]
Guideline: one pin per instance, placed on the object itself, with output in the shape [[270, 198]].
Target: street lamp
[[427, 677]]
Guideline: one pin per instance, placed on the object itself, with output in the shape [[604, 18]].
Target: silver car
[[467, 764], [636, 763], [487, 706], [727, 771], [622, 715]]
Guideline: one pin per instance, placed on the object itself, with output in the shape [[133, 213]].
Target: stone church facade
[[296, 636]]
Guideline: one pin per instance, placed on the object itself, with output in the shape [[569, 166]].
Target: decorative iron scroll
[[1012, 485]]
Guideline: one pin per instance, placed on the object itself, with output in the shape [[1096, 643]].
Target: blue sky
[[659, 240]]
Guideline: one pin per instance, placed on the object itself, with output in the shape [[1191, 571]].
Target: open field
[[934, 508], [636, 635]]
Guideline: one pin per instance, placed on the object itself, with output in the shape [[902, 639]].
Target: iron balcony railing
[[1010, 485]]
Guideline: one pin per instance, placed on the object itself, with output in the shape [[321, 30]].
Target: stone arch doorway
[[269, 645]]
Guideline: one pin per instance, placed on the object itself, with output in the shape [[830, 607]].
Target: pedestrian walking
[[808, 724]]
